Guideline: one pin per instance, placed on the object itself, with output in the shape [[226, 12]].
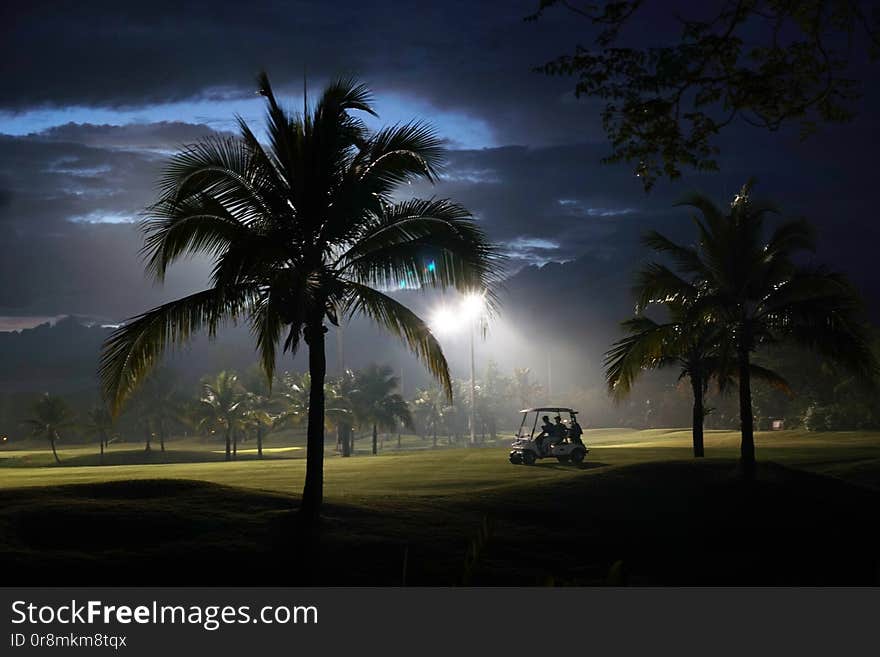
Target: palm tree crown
[[753, 289]]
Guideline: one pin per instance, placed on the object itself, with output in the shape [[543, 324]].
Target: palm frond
[[198, 224], [397, 247], [687, 259], [132, 350], [771, 378], [656, 283], [649, 346], [405, 324]]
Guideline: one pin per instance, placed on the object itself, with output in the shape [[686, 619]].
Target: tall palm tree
[[101, 422], [304, 230], [223, 399], [375, 402], [750, 286], [49, 415]]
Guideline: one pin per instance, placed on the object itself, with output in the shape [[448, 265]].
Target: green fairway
[[409, 472], [639, 499]]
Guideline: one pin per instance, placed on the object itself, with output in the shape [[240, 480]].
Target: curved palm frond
[[687, 259], [657, 283], [198, 224], [405, 324], [132, 350], [219, 167], [396, 247], [771, 378], [649, 346]]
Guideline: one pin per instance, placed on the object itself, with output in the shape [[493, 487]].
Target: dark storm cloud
[[463, 56], [137, 136], [68, 243]]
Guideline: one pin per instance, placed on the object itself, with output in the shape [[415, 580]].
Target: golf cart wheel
[[577, 456], [528, 458], [516, 458], [562, 459]]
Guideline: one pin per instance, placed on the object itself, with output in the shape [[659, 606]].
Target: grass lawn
[[640, 511]]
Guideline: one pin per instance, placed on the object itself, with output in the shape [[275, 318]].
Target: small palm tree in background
[[260, 411], [375, 402], [49, 416], [340, 392], [222, 400], [303, 231], [100, 421], [750, 287], [428, 407]]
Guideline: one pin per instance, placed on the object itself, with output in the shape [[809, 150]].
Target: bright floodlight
[[444, 321], [472, 306]]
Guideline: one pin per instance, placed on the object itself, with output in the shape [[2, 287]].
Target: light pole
[[472, 311], [473, 391]]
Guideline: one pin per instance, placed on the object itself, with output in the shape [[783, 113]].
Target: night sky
[[96, 94]]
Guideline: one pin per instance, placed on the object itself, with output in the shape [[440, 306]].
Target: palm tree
[[340, 394], [376, 404], [428, 406], [101, 422], [303, 231], [161, 404], [222, 399], [751, 288], [258, 408], [49, 415]]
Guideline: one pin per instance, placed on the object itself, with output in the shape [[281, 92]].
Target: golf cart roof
[[553, 409]]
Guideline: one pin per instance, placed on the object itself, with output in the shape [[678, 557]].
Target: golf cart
[[557, 441]]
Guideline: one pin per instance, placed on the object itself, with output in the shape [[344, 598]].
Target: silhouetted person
[[547, 430], [575, 432], [558, 431]]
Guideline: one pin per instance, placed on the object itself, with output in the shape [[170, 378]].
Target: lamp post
[[472, 311], [473, 307]]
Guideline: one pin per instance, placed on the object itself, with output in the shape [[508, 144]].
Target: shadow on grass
[[556, 465], [670, 523]]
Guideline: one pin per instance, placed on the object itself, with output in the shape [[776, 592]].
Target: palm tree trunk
[[699, 414], [234, 444], [435, 436], [101, 442], [344, 438], [149, 437], [375, 439], [162, 436], [228, 442], [313, 491], [259, 441], [747, 448], [52, 438]]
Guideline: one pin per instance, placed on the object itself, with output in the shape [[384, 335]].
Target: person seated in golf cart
[[559, 431], [547, 432], [575, 432]]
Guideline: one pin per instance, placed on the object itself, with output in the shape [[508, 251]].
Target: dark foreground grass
[[657, 523]]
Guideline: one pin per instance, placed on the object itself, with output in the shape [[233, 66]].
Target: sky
[[96, 95]]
